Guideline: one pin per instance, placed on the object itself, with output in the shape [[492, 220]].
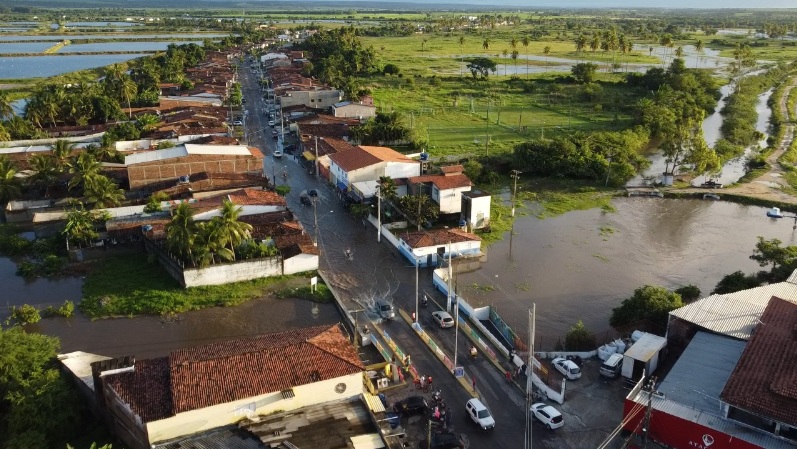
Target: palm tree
[[61, 153], [84, 168], [6, 110], [486, 44], [581, 43], [546, 51], [147, 122], [666, 42], [128, 88], [46, 172], [102, 192], [514, 56], [513, 43], [505, 52], [4, 134], [679, 52], [181, 232], [79, 225], [595, 43], [387, 187], [699, 48], [525, 41], [9, 184], [227, 230]]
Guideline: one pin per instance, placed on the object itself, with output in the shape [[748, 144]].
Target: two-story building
[[358, 109], [446, 189], [366, 163], [430, 248]]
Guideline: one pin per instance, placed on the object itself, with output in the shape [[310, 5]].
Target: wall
[[124, 423], [232, 272], [460, 249], [479, 205], [450, 200], [398, 170], [355, 110], [370, 173], [300, 263], [320, 99], [171, 266], [153, 172], [229, 413]]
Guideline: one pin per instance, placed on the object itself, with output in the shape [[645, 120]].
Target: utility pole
[[315, 220], [378, 214], [646, 429], [515, 174], [487, 140], [316, 157], [456, 306], [416, 258], [529, 374]]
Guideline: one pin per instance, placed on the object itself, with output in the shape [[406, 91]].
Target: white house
[[251, 201], [351, 109], [365, 163], [206, 387], [446, 188], [475, 210], [429, 248]]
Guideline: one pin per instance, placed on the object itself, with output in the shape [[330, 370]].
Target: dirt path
[[770, 185]]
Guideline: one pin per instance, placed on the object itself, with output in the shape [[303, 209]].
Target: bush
[[649, 303], [283, 190], [25, 314], [579, 338], [66, 310], [688, 293]]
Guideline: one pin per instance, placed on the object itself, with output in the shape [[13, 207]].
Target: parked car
[[479, 413], [271, 123], [711, 184], [277, 153], [443, 319], [443, 440], [237, 123], [547, 415], [275, 135], [612, 366], [568, 368], [305, 200], [411, 405], [385, 310], [312, 192]]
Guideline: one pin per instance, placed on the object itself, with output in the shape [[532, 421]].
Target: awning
[[308, 155], [342, 186]]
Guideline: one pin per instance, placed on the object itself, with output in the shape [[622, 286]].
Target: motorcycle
[[424, 301], [437, 397]]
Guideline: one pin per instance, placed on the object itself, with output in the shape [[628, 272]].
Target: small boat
[[711, 196], [774, 213]]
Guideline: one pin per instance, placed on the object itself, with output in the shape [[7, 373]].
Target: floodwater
[[46, 66], [121, 46], [580, 265], [146, 337], [60, 37], [25, 47], [38, 292]]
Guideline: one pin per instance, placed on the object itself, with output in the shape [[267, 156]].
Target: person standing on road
[[474, 383]]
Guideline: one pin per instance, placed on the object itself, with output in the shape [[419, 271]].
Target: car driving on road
[[479, 413], [443, 319]]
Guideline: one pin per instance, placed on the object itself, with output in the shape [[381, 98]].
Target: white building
[[429, 248], [320, 97], [447, 188], [365, 163], [351, 109], [475, 210], [197, 389]]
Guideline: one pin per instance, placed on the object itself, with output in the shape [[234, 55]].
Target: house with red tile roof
[[445, 189], [197, 389], [430, 248], [367, 163]]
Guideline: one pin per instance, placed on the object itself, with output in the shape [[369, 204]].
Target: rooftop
[[443, 182], [764, 381], [190, 149], [736, 314], [195, 378], [437, 237]]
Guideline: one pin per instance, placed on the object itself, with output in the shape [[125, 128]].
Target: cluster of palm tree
[[220, 239], [48, 168], [607, 40]]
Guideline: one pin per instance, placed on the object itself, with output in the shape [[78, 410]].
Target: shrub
[[66, 310], [25, 314], [688, 293], [579, 338], [283, 190]]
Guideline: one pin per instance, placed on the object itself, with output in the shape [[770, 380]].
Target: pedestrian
[[508, 375], [429, 379], [474, 383], [519, 371]]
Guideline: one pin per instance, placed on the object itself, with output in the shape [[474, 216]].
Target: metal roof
[[714, 357], [231, 150], [185, 150], [736, 314], [646, 347]]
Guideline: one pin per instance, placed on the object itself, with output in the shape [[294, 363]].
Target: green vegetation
[[130, 285], [579, 338], [781, 260], [650, 305], [321, 294]]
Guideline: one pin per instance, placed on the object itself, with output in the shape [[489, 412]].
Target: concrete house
[[353, 109], [197, 389], [446, 189], [429, 248], [365, 163], [320, 97], [475, 209]]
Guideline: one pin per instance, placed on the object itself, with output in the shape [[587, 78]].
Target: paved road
[[377, 271]]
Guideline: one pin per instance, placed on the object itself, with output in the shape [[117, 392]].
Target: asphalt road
[[376, 270]]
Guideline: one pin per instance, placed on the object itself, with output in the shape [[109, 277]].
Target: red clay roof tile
[[437, 237]]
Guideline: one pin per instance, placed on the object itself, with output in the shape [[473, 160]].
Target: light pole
[[515, 174], [356, 331], [378, 214]]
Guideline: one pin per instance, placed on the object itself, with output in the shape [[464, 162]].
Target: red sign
[[680, 433]]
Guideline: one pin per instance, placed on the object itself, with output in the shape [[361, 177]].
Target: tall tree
[[46, 173], [699, 49], [227, 229], [181, 232], [526, 41], [10, 186], [101, 192], [62, 153], [6, 111], [84, 169], [410, 206], [486, 44]]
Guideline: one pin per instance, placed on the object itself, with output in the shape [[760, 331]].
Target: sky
[[666, 4]]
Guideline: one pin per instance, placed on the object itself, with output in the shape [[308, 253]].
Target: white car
[[568, 368], [271, 123], [237, 123], [277, 153], [547, 415], [443, 319], [479, 414]]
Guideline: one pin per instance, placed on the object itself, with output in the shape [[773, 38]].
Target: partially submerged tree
[[649, 303]]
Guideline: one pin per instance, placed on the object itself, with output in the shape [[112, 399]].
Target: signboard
[[313, 283], [459, 371]]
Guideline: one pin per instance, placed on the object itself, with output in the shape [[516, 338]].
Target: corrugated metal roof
[[374, 403], [368, 441], [225, 438], [714, 358], [736, 314], [157, 155], [646, 347]]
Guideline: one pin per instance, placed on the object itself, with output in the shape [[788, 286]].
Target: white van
[[612, 366]]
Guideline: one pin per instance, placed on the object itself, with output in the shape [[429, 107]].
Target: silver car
[[385, 310]]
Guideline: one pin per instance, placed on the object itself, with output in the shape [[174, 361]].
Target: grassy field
[[450, 114]]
